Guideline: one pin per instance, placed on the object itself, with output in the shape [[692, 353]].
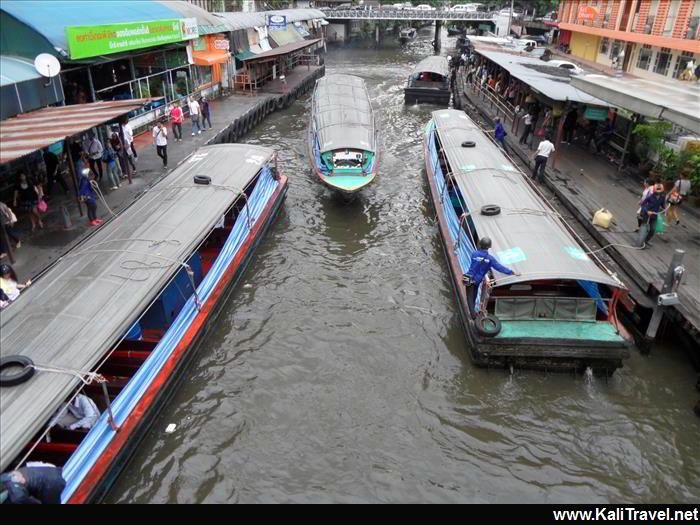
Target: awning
[[27, 133], [675, 101], [209, 58], [283, 37], [282, 50], [14, 70]]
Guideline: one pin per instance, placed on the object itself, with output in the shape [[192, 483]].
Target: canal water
[[337, 371]]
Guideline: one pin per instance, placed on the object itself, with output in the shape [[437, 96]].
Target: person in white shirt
[[195, 112], [80, 413], [527, 120], [160, 139], [128, 134], [544, 150]]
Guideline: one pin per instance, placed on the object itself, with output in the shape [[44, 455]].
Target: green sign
[[91, 41], [592, 113]]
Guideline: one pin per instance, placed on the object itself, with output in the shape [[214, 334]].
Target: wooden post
[[71, 166], [633, 124], [560, 130]]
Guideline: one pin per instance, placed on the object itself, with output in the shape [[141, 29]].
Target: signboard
[[221, 44], [593, 113], [92, 41], [277, 21], [587, 12]]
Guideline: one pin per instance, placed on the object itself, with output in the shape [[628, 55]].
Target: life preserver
[[490, 209], [488, 325], [468, 144], [8, 378]]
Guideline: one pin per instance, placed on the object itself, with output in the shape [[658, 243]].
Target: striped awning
[[29, 132]]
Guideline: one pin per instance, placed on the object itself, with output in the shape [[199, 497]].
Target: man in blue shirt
[[481, 263], [500, 133]]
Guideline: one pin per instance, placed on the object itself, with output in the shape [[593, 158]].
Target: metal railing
[[404, 14]]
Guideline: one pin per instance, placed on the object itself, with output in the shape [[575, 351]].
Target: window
[[663, 61], [644, 57], [604, 46], [615, 49], [681, 63], [203, 75]]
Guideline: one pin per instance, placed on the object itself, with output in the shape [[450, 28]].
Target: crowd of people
[[658, 207]]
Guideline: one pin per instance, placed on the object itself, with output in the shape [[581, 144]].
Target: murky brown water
[[338, 373]]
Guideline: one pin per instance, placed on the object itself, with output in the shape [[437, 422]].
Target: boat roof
[[528, 235], [84, 304], [432, 64], [343, 114]]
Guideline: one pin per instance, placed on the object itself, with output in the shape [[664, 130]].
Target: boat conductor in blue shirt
[[481, 263]]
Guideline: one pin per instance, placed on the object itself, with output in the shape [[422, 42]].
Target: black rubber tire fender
[[490, 210], [280, 102], [16, 378], [488, 325], [468, 144]]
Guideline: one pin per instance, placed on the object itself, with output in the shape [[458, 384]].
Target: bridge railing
[[403, 14]]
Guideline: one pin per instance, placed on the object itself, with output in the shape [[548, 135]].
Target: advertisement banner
[[277, 22], [587, 12], [91, 41]]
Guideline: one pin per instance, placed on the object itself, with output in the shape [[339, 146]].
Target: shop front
[[212, 60]]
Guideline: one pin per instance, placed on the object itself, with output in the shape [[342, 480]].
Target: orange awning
[[209, 58]]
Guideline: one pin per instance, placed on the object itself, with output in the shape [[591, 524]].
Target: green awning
[[244, 55]]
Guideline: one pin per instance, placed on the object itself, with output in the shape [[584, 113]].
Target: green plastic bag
[[660, 225]]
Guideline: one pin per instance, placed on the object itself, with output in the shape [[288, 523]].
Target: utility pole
[[510, 18]]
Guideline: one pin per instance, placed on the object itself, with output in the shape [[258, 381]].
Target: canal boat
[[429, 82], [456, 30], [341, 134], [560, 312], [118, 318], [407, 35]]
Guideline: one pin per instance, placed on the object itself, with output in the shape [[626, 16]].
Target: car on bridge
[[424, 7]]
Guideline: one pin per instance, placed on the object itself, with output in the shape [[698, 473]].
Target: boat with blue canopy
[[116, 320], [560, 313], [342, 142]]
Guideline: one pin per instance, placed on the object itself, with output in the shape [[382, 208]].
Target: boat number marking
[[197, 157], [511, 256], [576, 253]]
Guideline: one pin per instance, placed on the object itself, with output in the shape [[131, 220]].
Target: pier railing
[[405, 14]]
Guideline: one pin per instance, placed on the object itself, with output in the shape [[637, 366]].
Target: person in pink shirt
[[178, 117]]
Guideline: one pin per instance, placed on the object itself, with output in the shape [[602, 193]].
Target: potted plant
[[651, 138]]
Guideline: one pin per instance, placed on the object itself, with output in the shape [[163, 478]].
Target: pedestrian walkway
[[45, 246], [586, 182]]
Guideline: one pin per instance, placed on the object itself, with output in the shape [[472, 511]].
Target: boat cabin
[[429, 82]]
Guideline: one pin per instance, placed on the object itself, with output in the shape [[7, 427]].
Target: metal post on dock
[[667, 297]]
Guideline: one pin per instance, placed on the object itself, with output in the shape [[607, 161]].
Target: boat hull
[[417, 95], [550, 354], [117, 454]]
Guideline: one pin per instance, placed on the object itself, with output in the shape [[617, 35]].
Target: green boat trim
[[564, 330], [348, 183]]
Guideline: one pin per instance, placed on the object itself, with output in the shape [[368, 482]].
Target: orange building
[[647, 38]]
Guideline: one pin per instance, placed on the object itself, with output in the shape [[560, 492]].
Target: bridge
[[385, 13]]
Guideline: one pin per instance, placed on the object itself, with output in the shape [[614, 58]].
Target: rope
[[86, 378], [613, 244], [97, 189]]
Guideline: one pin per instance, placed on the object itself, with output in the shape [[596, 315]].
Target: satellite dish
[[47, 65]]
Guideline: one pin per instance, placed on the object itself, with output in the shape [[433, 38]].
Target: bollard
[[65, 217], [672, 280]]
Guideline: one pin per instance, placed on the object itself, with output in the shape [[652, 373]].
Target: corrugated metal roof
[[282, 37], [288, 48], [676, 101], [240, 20], [89, 299], [27, 133], [207, 23], [432, 64], [527, 235], [14, 70], [553, 86], [342, 113], [50, 19]]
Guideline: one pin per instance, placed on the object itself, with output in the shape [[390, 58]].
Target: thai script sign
[[587, 12], [91, 41], [277, 21]]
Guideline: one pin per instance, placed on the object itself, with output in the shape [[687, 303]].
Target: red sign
[[587, 12]]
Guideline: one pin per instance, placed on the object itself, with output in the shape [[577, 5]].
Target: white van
[[465, 8]]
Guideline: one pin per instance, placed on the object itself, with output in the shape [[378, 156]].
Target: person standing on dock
[[500, 133], [195, 112], [178, 118], [204, 106], [527, 120], [482, 262], [89, 197], [160, 139], [652, 206], [544, 150]]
